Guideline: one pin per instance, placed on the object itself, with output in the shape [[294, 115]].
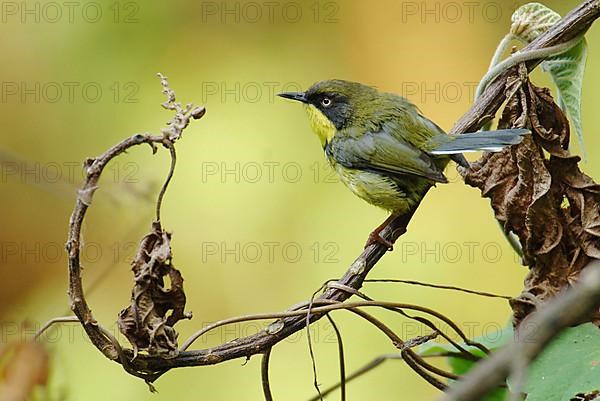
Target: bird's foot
[[376, 238]]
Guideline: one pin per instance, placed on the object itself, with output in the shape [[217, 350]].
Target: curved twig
[[501, 48], [94, 168], [52, 322], [359, 372], [407, 354], [342, 360], [524, 56], [311, 352], [265, 375], [423, 321], [167, 142]]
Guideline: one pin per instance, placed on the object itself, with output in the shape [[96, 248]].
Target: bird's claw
[[376, 238]]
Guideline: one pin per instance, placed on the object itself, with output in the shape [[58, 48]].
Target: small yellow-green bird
[[383, 148]]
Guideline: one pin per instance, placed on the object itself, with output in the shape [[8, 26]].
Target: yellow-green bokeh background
[[371, 42]]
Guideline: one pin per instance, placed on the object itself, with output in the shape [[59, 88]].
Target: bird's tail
[[491, 141]]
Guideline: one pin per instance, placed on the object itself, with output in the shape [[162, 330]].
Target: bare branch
[[94, 168]]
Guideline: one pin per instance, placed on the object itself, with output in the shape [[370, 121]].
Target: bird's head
[[334, 105]]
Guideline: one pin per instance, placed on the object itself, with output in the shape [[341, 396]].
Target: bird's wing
[[380, 151]]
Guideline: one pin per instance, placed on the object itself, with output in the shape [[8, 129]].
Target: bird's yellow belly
[[380, 190]]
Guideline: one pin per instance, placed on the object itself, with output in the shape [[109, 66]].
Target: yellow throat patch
[[320, 124]]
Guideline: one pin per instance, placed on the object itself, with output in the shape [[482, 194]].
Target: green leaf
[[567, 72], [531, 20], [570, 364], [461, 366], [566, 69], [492, 341]]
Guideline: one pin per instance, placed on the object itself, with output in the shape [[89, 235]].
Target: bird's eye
[[326, 102]]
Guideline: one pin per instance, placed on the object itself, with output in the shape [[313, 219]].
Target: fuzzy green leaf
[[567, 72], [461, 366], [570, 364], [566, 69]]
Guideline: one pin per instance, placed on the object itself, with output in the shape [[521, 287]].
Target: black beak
[[298, 96]]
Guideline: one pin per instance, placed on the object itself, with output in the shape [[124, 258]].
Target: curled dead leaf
[[539, 193], [148, 323]]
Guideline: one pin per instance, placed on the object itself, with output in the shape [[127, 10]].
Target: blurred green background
[[258, 220]]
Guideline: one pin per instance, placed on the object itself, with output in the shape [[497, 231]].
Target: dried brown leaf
[[148, 323], [539, 193]]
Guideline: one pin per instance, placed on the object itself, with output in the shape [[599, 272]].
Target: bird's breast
[[397, 194]]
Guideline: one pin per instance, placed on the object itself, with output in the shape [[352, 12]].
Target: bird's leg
[[375, 236]]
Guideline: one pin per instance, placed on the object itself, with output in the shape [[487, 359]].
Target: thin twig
[[265, 375], [311, 352], [52, 322], [419, 319], [446, 354], [443, 287], [341, 358], [359, 372], [432, 326], [366, 368], [411, 359], [107, 270], [167, 142], [421, 372]]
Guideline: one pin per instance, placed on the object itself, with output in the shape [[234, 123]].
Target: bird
[[383, 148]]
